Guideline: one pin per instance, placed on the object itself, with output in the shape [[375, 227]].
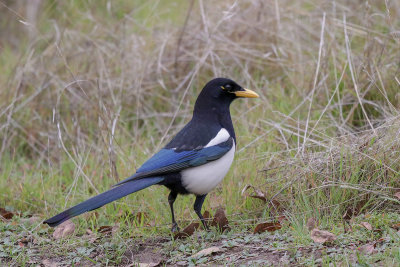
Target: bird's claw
[[205, 227], [175, 228]]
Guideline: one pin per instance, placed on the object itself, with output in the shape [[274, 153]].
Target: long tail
[[102, 199]]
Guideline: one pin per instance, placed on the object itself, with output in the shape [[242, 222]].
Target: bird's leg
[[171, 199], [197, 208]]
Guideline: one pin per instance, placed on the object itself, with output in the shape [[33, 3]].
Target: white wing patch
[[221, 137], [202, 179]]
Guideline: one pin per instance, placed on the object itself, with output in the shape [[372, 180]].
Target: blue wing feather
[[168, 160]]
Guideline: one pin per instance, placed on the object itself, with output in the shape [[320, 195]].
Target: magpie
[[194, 162]]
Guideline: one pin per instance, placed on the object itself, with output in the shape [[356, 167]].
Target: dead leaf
[[144, 264], [31, 220], [49, 263], [92, 237], [282, 219], [91, 215], [141, 217], [6, 214], [396, 226], [366, 225], [397, 195], [354, 210], [115, 228], [136, 218], [348, 214], [347, 228], [89, 232], [220, 221], [274, 204], [107, 229], [267, 226], [258, 193], [207, 251], [207, 217], [23, 242], [151, 264], [188, 231], [380, 240], [34, 219], [64, 229], [320, 236], [367, 248], [311, 224]]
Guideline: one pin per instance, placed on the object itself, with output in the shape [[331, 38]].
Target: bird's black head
[[219, 93]]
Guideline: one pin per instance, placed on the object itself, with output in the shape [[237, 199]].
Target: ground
[[372, 240], [89, 90]]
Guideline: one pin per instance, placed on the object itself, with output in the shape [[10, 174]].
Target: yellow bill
[[246, 93]]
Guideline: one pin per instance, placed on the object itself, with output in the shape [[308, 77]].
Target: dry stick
[[389, 20], [267, 132], [397, 80], [194, 73], [22, 20], [339, 99], [88, 101], [352, 74], [203, 17], [178, 108], [360, 30], [353, 108], [3, 146], [278, 16], [189, 11], [4, 111], [111, 150], [345, 186], [182, 98], [73, 160], [321, 144], [330, 100], [384, 90], [12, 108], [333, 184], [261, 136], [160, 66], [72, 189], [321, 44], [279, 127]]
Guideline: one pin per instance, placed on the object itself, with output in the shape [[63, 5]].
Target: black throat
[[214, 113], [208, 119]]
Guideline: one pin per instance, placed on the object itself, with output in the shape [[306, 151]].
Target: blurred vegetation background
[[90, 89]]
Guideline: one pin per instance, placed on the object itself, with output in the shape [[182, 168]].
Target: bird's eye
[[227, 87]]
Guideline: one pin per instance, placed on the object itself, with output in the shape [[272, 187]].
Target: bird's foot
[[205, 226], [175, 228], [207, 229]]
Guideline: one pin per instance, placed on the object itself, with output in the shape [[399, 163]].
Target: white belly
[[202, 179]]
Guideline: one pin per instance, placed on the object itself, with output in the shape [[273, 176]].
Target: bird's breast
[[202, 179]]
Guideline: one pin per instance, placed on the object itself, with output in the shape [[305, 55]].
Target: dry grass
[[97, 89], [90, 89]]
